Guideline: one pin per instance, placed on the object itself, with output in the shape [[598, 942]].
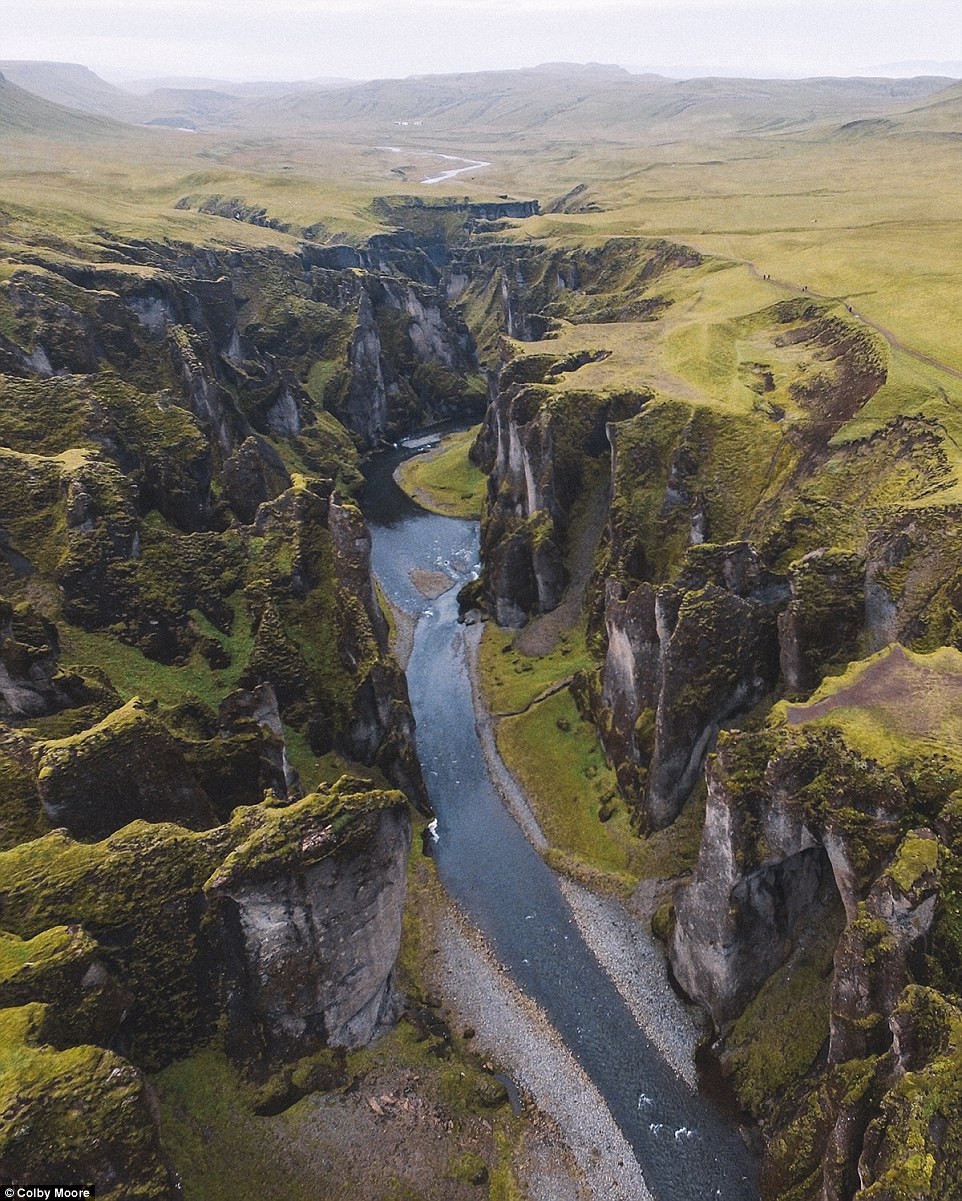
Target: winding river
[[686, 1150]]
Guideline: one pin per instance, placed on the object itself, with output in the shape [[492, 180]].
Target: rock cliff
[[286, 920], [774, 514], [810, 828], [191, 650]]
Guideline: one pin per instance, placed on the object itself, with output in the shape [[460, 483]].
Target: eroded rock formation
[[287, 919], [191, 625]]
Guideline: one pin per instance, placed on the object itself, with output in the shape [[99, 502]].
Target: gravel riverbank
[[512, 1029], [636, 965]]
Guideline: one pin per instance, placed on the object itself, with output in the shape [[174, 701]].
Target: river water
[[686, 1150]]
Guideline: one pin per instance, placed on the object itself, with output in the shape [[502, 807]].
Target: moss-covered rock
[[159, 901], [63, 967], [80, 1116], [126, 767], [823, 620]]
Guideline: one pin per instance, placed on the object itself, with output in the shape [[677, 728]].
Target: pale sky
[[363, 39]]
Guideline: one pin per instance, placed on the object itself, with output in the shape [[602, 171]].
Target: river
[[470, 164], [686, 1149]]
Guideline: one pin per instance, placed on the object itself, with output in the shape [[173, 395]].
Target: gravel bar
[[513, 1030], [636, 966]]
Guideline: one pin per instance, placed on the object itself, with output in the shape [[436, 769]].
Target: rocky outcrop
[[253, 474], [912, 586], [540, 458], [887, 1102], [798, 821], [316, 949], [31, 683], [64, 969], [342, 687], [410, 360], [681, 660], [910, 1140], [782, 820], [175, 945], [82, 1116], [116, 763], [125, 767], [882, 949], [287, 920], [823, 620], [522, 289]]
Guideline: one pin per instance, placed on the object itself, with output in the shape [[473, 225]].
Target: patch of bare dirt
[[911, 695]]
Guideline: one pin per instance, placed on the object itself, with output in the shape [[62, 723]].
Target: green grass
[[221, 1151], [317, 379], [133, 674], [444, 480], [894, 706], [510, 681], [560, 765]]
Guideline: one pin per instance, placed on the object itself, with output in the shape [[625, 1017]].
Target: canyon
[[209, 771]]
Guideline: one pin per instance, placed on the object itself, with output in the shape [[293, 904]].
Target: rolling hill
[[23, 112], [69, 84], [77, 87], [556, 100], [566, 100]]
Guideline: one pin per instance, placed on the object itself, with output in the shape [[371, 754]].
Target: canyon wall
[[207, 753], [754, 547]]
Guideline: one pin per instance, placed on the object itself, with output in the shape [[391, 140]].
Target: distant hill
[[233, 87], [186, 108], [69, 84], [941, 113], [568, 101], [23, 113], [76, 87], [572, 101]]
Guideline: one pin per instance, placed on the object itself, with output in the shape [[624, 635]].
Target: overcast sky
[[363, 39]]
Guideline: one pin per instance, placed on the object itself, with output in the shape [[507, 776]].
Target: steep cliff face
[[316, 948], [682, 659], [525, 291], [251, 344], [810, 817], [410, 359], [287, 920], [542, 452], [191, 642], [769, 840]]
